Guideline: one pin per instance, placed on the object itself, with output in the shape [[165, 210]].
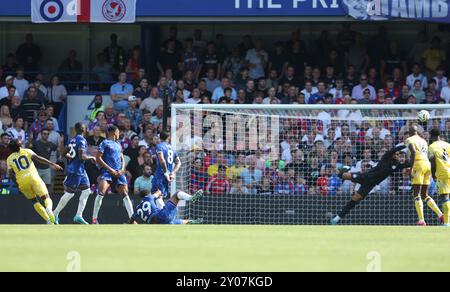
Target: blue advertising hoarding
[[425, 10]]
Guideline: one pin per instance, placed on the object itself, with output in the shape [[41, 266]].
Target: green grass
[[223, 248]]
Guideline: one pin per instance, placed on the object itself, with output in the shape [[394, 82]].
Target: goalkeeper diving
[[388, 165]]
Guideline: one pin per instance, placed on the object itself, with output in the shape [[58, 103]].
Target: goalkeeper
[[388, 165]]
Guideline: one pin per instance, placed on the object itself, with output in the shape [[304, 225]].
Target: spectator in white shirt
[[56, 92], [441, 80], [17, 132], [195, 97], [337, 92], [151, 103], [358, 90], [4, 91], [445, 92], [271, 96], [20, 82], [257, 59], [416, 75]]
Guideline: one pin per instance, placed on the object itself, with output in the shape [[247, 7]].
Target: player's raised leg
[[356, 199], [431, 203]]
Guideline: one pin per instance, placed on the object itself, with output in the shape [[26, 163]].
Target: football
[[423, 116]]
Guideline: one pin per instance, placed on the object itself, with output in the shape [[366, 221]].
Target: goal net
[[277, 164]]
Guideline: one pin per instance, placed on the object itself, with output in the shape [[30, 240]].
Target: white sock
[[128, 205], [160, 203], [63, 203], [83, 200], [337, 218], [183, 196], [97, 205]]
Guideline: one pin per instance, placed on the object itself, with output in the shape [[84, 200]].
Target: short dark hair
[[3, 135], [164, 136], [78, 127], [435, 133], [112, 129], [14, 145]]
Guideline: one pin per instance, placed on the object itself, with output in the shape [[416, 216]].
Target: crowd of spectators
[[350, 69]]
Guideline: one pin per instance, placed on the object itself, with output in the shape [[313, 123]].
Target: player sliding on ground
[[152, 210], [112, 162], [439, 154], [388, 165], [77, 178], [20, 163], [421, 174]]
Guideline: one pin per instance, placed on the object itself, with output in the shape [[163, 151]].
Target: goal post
[[278, 164]]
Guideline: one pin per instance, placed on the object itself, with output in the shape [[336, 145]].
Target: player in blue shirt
[[152, 209], [112, 163], [77, 178]]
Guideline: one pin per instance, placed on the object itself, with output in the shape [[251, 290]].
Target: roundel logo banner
[[114, 10], [51, 10]]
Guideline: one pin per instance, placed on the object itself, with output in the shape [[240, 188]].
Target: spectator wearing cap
[[133, 113], [38, 125], [4, 91], [358, 90], [120, 92]]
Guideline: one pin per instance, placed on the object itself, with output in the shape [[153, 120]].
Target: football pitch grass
[[223, 248]]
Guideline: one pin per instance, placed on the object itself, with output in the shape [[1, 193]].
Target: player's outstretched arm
[[388, 155], [45, 161]]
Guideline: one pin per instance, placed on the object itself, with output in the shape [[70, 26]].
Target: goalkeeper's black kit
[[385, 168]]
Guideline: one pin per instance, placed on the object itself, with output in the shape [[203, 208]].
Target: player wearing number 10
[[20, 163], [77, 178]]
